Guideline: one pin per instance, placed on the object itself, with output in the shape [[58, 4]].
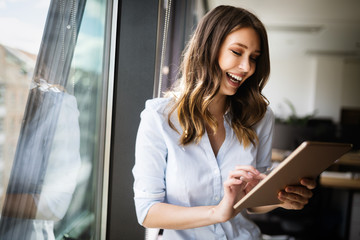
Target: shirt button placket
[[217, 185]]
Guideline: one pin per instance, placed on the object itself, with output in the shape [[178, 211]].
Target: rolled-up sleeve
[[150, 161]]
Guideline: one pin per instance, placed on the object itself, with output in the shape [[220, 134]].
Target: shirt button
[[216, 171], [216, 198]]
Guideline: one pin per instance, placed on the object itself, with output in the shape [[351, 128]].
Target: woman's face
[[237, 59]]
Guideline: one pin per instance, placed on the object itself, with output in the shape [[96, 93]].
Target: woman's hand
[[296, 197], [239, 183]]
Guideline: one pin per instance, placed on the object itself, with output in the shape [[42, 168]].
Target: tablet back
[[308, 160]]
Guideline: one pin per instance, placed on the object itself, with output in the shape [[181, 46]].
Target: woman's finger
[[234, 189], [248, 173], [232, 182], [309, 183], [288, 204], [248, 168], [241, 174], [299, 190], [290, 197], [261, 176]]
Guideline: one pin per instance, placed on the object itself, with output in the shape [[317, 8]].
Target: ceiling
[[324, 27]]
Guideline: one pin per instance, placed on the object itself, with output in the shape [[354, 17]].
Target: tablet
[[310, 159]]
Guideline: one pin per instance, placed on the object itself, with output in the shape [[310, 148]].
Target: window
[[54, 180], [2, 91], [177, 21], [1, 124]]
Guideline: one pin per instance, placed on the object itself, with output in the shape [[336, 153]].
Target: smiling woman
[[203, 147]]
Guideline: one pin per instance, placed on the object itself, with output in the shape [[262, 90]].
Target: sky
[[22, 23]]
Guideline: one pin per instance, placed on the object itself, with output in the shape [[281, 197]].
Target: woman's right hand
[[169, 216], [240, 181]]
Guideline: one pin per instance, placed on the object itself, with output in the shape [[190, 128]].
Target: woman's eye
[[236, 53], [254, 59]]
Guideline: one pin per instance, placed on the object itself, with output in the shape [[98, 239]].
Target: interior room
[[74, 79], [313, 90]]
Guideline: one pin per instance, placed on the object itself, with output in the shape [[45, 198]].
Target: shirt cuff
[[143, 202]]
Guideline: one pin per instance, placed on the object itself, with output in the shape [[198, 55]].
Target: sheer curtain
[[177, 21], [47, 158]]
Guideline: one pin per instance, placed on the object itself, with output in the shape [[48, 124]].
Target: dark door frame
[[134, 82]]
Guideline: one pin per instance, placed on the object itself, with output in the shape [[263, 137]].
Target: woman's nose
[[245, 65]]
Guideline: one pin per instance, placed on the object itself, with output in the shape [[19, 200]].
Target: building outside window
[[54, 84]]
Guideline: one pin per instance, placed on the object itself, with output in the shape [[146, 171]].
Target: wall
[[351, 83], [291, 79], [328, 87], [313, 83]]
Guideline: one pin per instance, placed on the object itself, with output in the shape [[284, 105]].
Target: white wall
[[312, 83], [292, 79], [328, 86]]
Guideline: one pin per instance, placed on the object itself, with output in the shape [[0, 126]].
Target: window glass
[[177, 21], [52, 105], [86, 83], [19, 44]]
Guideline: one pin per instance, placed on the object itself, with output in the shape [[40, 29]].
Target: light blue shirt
[[192, 175]]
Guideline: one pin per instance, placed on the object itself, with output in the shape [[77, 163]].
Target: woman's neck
[[218, 106]]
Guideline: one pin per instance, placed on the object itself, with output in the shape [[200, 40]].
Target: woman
[[203, 148]]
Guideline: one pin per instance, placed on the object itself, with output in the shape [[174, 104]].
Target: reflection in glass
[[39, 192], [49, 176]]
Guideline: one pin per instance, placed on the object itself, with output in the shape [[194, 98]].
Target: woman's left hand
[[296, 197]]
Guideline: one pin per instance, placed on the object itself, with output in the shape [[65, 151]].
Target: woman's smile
[[234, 78]]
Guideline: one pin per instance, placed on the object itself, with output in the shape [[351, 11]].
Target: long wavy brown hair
[[200, 78]]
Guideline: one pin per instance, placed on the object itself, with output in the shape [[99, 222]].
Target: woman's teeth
[[234, 78]]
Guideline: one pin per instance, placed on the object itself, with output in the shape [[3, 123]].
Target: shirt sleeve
[[265, 134], [150, 161]]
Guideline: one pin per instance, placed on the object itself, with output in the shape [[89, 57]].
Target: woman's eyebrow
[[246, 47]]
